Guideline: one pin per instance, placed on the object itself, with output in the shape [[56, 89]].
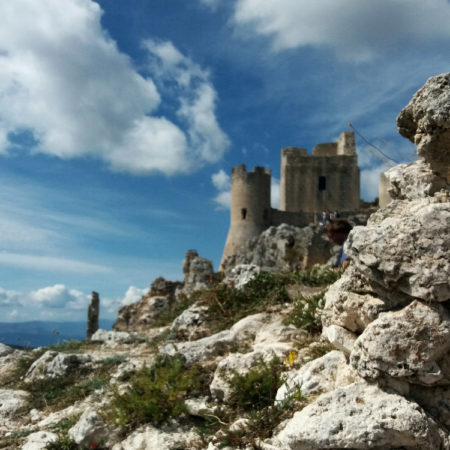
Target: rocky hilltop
[[304, 359]]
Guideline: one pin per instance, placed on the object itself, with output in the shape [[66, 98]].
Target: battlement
[[241, 171]]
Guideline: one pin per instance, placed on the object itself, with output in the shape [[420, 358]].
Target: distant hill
[[36, 334]]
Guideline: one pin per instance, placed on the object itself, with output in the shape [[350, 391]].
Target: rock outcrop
[[286, 247], [390, 310], [163, 294]]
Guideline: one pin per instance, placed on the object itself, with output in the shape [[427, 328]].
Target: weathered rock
[[351, 302], [413, 181], [340, 338], [408, 344], [190, 324], [111, 338], [202, 349], [142, 315], [54, 364], [12, 402], [39, 440], [200, 407], [316, 377], [93, 314], [197, 272], [241, 363], [240, 275], [5, 350], [150, 438], [408, 253], [425, 121], [361, 416], [90, 429]]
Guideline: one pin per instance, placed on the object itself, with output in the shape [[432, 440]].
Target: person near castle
[[338, 231]]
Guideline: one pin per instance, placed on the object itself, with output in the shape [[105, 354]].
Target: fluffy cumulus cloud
[[178, 76], [58, 302], [65, 84], [132, 295], [355, 29]]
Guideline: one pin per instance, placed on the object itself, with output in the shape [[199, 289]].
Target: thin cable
[[382, 158]]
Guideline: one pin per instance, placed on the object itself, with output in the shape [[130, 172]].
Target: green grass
[[257, 388], [157, 393], [305, 313]]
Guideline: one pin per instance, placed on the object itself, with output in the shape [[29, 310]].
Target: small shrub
[[317, 276], [63, 443], [226, 305], [61, 392], [156, 393], [257, 388], [306, 313]]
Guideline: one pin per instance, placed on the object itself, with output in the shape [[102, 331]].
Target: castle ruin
[[328, 179]]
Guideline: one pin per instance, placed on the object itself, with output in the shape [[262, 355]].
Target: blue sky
[[120, 121]]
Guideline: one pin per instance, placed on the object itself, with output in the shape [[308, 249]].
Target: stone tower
[[250, 206], [328, 179]]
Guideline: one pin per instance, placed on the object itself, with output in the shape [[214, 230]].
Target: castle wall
[[327, 179], [298, 219]]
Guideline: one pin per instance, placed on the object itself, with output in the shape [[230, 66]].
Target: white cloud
[[222, 182], [64, 81], [355, 29], [370, 179], [58, 296], [133, 295], [49, 263], [58, 302], [177, 74], [275, 193]]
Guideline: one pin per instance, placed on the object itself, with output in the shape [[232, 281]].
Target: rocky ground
[[269, 360]]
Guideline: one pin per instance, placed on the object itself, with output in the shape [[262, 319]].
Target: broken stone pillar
[[93, 313]]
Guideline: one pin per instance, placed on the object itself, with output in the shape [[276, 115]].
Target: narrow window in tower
[[243, 213], [265, 214], [322, 183]]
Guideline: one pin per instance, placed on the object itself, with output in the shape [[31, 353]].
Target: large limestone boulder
[[361, 416], [12, 402], [412, 344], [39, 440], [190, 325], [321, 375], [197, 272], [90, 429], [413, 181], [425, 121], [352, 303], [152, 438], [409, 252], [202, 349], [54, 364]]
